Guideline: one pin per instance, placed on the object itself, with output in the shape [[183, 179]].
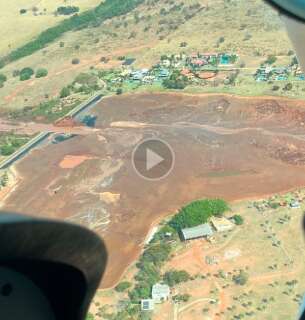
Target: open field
[[267, 293], [273, 289], [255, 145], [268, 274], [16, 28]]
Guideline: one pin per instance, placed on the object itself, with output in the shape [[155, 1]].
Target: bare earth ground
[[225, 147]]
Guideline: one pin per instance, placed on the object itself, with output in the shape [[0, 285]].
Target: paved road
[[44, 130], [31, 128]]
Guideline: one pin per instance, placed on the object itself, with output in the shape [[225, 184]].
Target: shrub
[[26, 74], [241, 278], [176, 81], [40, 73], [157, 254], [7, 150], [3, 77], [288, 87], [119, 91], [67, 10], [15, 73], [75, 61], [174, 277], [65, 92], [271, 59], [123, 286], [90, 316], [275, 88], [23, 11], [181, 297], [239, 220]]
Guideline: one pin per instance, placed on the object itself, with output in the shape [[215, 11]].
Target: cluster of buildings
[[272, 73], [207, 230], [199, 65], [266, 205], [160, 291]]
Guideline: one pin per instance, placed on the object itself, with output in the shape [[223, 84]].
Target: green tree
[[241, 278], [198, 212], [119, 91], [238, 219], [176, 81], [181, 297], [65, 92], [7, 150], [41, 72], [3, 77], [75, 61], [221, 40], [123, 286], [67, 10], [4, 179], [271, 59], [26, 74], [174, 277], [288, 87]]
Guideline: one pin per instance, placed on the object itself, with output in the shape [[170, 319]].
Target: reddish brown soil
[[66, 122], [225, 147], [70, 162]]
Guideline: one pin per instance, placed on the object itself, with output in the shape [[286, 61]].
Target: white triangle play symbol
[[152, 159]]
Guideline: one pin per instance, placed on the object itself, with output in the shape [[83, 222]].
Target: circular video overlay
[[153, 159]]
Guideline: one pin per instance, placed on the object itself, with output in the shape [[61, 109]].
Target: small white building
[[160, 292], [147, 305], [295, 204]]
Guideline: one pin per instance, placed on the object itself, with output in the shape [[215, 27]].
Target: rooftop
[[203, 230], [221, 224], [160, 289], [147, 304]]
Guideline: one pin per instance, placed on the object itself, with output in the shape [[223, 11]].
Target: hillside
[[152, 29], [22, 20]]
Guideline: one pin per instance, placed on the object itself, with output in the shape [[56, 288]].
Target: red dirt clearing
[[225, 147], [70, 161]]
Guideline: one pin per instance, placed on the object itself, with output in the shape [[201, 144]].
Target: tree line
[[93, 17]]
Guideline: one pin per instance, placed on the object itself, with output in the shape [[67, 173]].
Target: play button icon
[[153, 159]]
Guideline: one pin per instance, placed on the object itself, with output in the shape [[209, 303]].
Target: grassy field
[[153, 29], [16, 28]]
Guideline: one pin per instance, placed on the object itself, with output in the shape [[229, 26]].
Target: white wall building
[[160, 292]]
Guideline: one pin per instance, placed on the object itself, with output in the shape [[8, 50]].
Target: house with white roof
[[160, 292]]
